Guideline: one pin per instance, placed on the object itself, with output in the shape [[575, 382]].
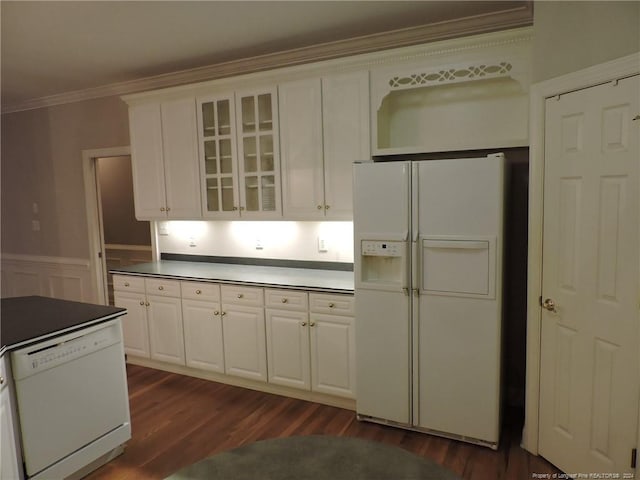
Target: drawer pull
[[331, 305], [160, 287], [198, 292], [285, 300], [126, 284], [240, 295]]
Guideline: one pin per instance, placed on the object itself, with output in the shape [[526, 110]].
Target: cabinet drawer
[[332, 304], [200, 291], [165, 288], [241, 295], [126, 283], [285, 299]]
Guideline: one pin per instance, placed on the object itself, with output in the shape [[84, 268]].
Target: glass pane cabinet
[[242, 182], [258, 153], [216, 123]]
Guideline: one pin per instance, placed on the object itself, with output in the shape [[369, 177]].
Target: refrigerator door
[[381, 221], [459, 218]]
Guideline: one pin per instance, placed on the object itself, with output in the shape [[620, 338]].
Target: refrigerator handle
[[415, 267]]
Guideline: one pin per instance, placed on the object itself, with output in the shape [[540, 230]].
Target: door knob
[[550, 305]]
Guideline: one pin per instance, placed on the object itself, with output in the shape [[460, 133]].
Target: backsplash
[[277, 240]]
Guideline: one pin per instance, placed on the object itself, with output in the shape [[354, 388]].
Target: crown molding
[[503, 20]]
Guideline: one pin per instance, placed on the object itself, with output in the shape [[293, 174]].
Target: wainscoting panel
[[57, 277]]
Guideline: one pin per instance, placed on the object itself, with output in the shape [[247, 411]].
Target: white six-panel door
[[589, 346]]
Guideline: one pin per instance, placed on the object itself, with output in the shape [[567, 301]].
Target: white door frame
[[97, 266], [589, 77]]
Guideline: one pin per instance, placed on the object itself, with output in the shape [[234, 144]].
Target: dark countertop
[[25, 320], [262, 276]]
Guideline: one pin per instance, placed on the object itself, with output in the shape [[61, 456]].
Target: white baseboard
[[346, 403], [57, 277]]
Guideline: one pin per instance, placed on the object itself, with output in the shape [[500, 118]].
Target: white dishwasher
[[72, 400]]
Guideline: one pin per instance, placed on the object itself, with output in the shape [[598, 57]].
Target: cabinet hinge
[[634, 455]]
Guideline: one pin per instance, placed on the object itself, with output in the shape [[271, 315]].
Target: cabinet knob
[[147, 304], [240, 295], [304, 324], [285, 300], [216, 313], [142, 303], [126, 284], [162, 209], [331, 305], [198, 292], [312, 324], [326, 207], [160, 287], [168, 209], [223, 314], [319, 207], [242, 209], [235, 208], [1, 380]]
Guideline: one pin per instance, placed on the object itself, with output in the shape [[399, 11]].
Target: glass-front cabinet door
[[258, 152], [217, 134]]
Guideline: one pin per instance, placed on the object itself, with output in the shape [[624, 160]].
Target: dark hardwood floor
[[178, 420]]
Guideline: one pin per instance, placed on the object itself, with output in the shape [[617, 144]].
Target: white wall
[[280, 240]]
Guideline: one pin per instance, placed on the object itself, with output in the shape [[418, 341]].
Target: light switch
[[323, 244]]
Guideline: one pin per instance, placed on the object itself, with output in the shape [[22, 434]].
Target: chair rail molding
[[57, 277]]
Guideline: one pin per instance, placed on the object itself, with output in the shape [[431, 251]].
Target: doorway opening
[[116, 238], [127, 241]]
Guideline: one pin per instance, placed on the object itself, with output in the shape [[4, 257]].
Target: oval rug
[[315, 457]]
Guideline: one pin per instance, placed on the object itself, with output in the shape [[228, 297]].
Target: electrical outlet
[[323, 244], [259, 245], [163, 229], [192, 242]]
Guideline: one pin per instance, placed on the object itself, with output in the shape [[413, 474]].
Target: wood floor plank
[[177, 420]]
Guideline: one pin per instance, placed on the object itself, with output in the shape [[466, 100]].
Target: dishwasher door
[[71, 392]]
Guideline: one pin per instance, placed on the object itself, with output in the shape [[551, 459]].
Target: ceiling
[[56, 47]]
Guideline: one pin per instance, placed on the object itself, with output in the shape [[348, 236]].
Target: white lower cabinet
[[333, 355], [165, 329], [284, 337], [203, 335], [152, 327], [310, 350], [243, 328], [288, 348], [135, 328], [10, 467]]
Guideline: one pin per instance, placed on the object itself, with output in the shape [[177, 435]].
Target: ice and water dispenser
[[383, 264]]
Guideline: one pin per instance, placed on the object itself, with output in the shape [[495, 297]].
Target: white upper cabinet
[[147, 161], [324, 129], [259, 153], [301, 145], [218, 156], [239, 155], [345, 121], [165, 163]]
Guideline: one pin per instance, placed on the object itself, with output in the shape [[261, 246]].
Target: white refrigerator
[[428, 275]]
